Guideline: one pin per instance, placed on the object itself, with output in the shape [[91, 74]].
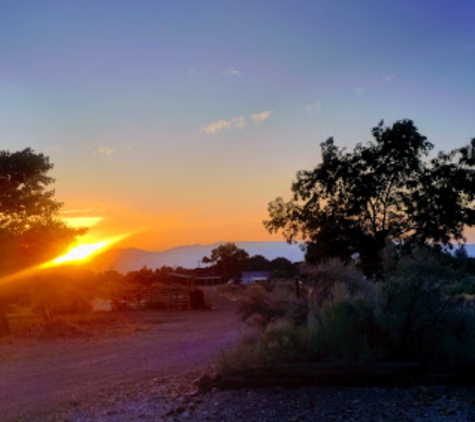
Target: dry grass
[[25, 324]]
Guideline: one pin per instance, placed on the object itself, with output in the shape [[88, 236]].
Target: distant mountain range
[[125, 260]]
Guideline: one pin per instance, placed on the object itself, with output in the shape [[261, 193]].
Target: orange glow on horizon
[[83, 252], [76, 255], [78, 222]]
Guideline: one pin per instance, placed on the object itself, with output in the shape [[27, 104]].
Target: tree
[[30, 232], [228, 260], [257, 263], [282, 268], [386, 190]]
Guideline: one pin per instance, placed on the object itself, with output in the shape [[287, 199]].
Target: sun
[[82, 252], [76, 255]]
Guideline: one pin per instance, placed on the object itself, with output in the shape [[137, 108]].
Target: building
[[253, 276]]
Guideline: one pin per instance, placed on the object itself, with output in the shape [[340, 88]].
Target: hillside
[[129, 259], [124, 260]]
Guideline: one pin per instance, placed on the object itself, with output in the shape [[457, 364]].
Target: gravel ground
[[111, 381], [172, 399]]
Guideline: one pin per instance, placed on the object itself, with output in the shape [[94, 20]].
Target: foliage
[[260, 306], [28, 223], [30, 233], [283, 340], [421, 305], [257, 263], [282, 268], [322, 278], [387, 189], [245, 354], [61, 291], [419, 312], [228, 259], [232, 291], [344, 328], [279, 267], [413, 315], [280, 341]]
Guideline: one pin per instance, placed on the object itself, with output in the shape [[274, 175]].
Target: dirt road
[[35, 376]]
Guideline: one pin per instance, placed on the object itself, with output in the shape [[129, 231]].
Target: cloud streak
[[260, 117], [103, 152], [312, 108], [233, 72], [235, 123], [220, 125], [81, 211]]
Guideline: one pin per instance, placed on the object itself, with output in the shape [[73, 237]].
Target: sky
[[179, 121]]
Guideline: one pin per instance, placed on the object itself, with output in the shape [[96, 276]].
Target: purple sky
[[185, 118]]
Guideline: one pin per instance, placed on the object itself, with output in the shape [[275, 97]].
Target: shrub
[[418, 312], [413, 315], [322, 278], [245, 354], [283, 341], [231, 291], [279, 341], [345, 331], [61, 293], [259, 306]]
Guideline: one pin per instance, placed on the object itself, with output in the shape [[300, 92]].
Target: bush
[[345, 331], [259, 306], [279, 341], [61, 292], [322, 278], [245, 354], [283, 341], [417, 313], [420, 311], [231, 291], [413, 315]]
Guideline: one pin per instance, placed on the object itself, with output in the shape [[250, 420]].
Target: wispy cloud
[[81, 211], [233, 72], [234, 123], [260, 117], [388, 78], [239, 122], [220, 125], [77, 222], [312, 108], [359, 91], [103, 151], [192, 73]]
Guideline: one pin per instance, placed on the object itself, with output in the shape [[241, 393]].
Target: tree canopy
[[28, 212], [388, 189], [30, 232], [228, 259]]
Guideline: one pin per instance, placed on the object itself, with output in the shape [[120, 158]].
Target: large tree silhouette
[[385, 190], [30, 232], [228, 259]]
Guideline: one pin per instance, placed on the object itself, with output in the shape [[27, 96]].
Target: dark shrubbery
[[261, 304], [419, 312]]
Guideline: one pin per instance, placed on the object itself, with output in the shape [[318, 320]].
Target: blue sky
[[185, 118]]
